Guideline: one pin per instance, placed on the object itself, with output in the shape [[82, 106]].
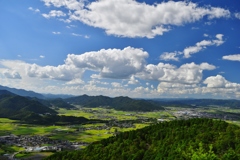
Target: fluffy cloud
[[75, 82], [69, 4], [133, 80], [11, 74], [54, 13], [202, 45], [234, 57], [188, 51], [219, 82], [167, 56], [177, 88], [111, 63], [216, 86], [138, 19], [116, 85], [62, 72], [189, 73]]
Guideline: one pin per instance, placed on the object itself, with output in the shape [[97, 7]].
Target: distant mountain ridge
[[118, 103], [22, 92], [200, 102]]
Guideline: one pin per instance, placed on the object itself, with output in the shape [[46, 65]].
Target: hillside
[[56, 103], [22, 92], [18, 107], [203, 139], [118, 103]]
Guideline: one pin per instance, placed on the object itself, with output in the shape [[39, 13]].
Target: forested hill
[[118, 103], [200, 139], [28, 110], [55, 103], [18, 107]]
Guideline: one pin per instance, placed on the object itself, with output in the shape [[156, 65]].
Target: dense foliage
[[118, 103], [203, 139], [17, 107], [31, 111], [54, 119], [60, 103], [55, 103]]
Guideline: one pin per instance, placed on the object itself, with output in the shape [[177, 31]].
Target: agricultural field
[[107, 114], [69, 132], [88, 133]]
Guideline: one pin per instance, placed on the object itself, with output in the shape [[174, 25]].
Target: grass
[[33, 155], [23, 155], [68, 133], [6, 120], [98, 112]]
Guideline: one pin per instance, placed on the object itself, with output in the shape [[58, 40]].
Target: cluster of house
[[38, 143], [192, 113]]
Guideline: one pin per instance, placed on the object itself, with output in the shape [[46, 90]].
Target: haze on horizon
[[148, 49]]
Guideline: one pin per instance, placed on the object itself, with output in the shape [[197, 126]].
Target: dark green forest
[[118, 103], [31, 111], [197, 139], [18, 107]]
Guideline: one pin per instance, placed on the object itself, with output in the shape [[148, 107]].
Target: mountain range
[[118, 103], [22, 92]]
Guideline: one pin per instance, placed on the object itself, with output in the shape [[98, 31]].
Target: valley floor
[[17, 138]]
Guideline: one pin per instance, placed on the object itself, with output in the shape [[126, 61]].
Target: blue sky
[[148, 49]]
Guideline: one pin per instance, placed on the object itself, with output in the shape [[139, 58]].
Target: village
[[204, 113], [40, 143]]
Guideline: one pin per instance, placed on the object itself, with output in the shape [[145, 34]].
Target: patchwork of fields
[[88, 133]]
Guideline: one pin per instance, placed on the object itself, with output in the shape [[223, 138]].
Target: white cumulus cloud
[[129, 18], [219, 82], [233, 57], [133, 80], [62, 72], [69, 4], [169, 56], [189, 73], [111, 63]]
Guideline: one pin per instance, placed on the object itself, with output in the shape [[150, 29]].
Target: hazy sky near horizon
[[136, 48]]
